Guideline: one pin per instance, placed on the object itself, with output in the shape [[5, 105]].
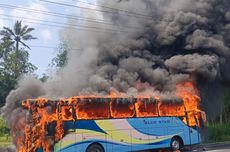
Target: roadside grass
[[218, 132], [5, 141], [5, 138]]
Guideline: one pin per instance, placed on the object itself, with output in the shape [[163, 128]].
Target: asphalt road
[[214, 147], [221, 150]]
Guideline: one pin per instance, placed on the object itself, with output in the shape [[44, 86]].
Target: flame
[[190, 96], [146, 107], [176, 109], [46, 114]]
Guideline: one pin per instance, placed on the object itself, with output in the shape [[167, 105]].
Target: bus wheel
[[95, 148], [176, 144]]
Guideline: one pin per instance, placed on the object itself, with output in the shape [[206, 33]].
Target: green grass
[[5, 138], [218, 132], [5, 141]]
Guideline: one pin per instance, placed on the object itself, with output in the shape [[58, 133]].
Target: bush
[[219, 132], [4, 130]]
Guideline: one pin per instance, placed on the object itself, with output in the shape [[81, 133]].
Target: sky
[[36, 14]]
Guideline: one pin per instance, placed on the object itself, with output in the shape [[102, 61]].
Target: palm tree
[[17, 36]]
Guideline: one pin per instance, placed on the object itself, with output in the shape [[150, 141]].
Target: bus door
[[194, 133], [189, 128], [69, 137], [200, 120]]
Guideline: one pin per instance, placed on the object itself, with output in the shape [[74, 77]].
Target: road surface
[[221, 150], [214, 147]]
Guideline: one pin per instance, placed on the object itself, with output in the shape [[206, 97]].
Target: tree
[[44, 77], [7, 80], [61, 59], [13, 60], [8, 83], [17, 36], [226, 105], [3, 128]]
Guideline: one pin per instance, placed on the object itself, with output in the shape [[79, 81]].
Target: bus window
[[87, 109], [146, 107], [171, 108], [121, 108], [50, 128], [67, 113]]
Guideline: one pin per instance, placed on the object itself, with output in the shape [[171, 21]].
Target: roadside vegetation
[[219, 130], [5, 138], [14, 57], [14, 61]]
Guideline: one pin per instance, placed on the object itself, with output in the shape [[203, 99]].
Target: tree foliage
[[18, 34], [16, 37], [8, 83], [14, 60], [226, 106], [61, 59], [3, 128]]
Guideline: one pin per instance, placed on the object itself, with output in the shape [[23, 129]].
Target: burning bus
[[112, 123]]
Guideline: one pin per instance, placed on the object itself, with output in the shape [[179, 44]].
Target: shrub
[[4, 130], [219, 132]]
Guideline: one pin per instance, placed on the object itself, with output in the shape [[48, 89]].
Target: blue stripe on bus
[[87, 125]]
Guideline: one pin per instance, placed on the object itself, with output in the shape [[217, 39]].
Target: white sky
[[47, 35]]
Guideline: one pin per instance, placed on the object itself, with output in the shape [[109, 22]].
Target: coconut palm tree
[[17, 36]]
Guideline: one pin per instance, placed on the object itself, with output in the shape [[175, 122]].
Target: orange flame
[[190, 96]]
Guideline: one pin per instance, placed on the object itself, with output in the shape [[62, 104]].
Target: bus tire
[[95, 147], [176, 143]]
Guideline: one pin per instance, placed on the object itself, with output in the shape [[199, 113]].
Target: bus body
[[98, 124], [129, 134]]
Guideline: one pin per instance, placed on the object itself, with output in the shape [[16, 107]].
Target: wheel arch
[[95, 143], [179, 138]]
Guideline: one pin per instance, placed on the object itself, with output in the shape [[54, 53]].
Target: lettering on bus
[[149, 122]]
